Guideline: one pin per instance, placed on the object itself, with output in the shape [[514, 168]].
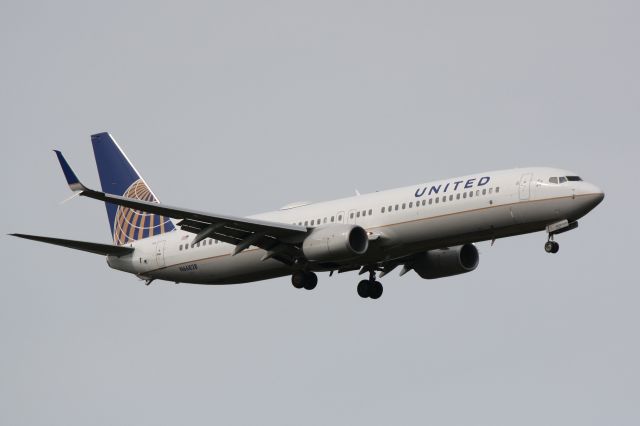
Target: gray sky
[[240, 107]]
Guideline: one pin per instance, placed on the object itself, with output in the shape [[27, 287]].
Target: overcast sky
[[240, 107]]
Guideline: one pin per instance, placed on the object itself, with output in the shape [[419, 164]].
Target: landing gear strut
[[304, 279], [370, 288]]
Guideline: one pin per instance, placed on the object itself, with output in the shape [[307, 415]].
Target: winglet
[[72, 179]]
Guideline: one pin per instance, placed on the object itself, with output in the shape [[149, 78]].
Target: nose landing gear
[[551, 246]]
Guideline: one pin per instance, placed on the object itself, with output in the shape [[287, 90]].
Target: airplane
[[429, 228]]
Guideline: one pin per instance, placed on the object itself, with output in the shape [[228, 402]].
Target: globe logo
[[131, 225]]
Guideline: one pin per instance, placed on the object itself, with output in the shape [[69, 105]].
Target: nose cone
[[597, 195], [598, 198], [590, 197]]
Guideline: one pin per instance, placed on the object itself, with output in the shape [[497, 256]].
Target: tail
[[119, 177]]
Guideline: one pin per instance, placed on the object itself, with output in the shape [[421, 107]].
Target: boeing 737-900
[[429, 228]]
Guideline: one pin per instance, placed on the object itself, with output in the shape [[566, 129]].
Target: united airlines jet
[[429, 228]]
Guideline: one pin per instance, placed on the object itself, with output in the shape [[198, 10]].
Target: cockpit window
[[553, 179], [563, 179], [574, 178]]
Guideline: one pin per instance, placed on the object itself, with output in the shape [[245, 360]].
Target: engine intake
[[447, 262], [335, 243]]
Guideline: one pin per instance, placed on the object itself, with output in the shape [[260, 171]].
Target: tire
[[297, 279], [548, 246], [556, 248], [364, 288], [376, 290], [310, 281]]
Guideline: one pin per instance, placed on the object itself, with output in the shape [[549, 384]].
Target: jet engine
[[447, 262], [335, 243]]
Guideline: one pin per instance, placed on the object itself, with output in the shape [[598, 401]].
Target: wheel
[[376, 290], [548, 246], [364, 288], [556, 247], [297, 279], [310, 281]]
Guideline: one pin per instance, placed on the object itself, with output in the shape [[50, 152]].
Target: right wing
[[281, 241]]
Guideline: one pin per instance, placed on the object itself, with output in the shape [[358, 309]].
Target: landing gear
[[370, 288], [363, 289], [304, 279], [551, 246]]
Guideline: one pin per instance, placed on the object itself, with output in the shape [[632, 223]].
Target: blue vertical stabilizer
[[119, 177]]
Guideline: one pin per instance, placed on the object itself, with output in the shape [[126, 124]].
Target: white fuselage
[[399, 222]]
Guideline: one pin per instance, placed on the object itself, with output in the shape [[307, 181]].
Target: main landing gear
[[304, 279], [370, 288]]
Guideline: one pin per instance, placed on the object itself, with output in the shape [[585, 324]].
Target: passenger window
[[186, 246], [437, 200], [458, 196], [306, 222], [451, 197], [396, 207], [497, 189], [484, 192], [411, 204], [364, 213], [390, 208], [340, 218], [553, 179], [358, 214], [312, 221], [444, 198], [430, 201], [382, 210], [333, 218], [490, 190], [477, 192], [180, 247], [370, 212], [424, 202], [351, 215], [325, 220], [403, 206], [470, 194], [464, 195], [563, 179]]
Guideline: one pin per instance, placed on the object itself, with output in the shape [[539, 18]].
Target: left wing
[[97, 248], [281, 241]]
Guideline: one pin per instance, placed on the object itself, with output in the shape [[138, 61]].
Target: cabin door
[[525, 186]]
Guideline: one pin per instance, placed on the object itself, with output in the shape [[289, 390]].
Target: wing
[[281, 241], [97, 248]]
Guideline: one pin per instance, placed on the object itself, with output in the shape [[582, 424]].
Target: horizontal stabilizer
[[97, 248]]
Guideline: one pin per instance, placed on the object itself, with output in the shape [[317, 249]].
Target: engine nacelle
[[335, 243], [447, 262]]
